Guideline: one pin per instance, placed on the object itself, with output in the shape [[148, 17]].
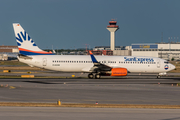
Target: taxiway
[[106, 91], [56, 113]]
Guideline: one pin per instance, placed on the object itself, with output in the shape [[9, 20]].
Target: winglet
[[90, 53], [92, 57]]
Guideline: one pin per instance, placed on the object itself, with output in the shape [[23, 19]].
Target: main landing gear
[[96, 76], [161, 74], [90, 76]]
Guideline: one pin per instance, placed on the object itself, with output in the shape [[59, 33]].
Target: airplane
[[96, 66]]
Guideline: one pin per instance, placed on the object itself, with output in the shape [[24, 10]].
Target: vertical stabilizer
[[25, 44]]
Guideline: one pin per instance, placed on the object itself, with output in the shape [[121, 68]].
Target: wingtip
[[90, 53]]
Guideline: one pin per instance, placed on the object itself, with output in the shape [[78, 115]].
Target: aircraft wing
[[97, 65]]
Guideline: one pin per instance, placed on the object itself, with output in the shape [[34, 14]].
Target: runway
[[56, 113], [104, 91]]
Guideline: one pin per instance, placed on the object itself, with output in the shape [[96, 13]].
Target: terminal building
[[9, 49], [5, 51], [106, 50], [168, 51]]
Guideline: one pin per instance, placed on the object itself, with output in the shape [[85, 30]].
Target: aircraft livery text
[[135, 59]]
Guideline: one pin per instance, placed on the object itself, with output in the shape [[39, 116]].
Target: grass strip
[[17, 104]]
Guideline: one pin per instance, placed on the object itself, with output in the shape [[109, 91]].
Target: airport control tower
[[112, 27]]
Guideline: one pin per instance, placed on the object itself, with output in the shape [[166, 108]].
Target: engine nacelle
[[118, 72]]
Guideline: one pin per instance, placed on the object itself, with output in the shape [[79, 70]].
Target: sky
[[71, 24]]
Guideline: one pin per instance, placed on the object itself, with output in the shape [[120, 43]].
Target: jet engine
[[118, 72]]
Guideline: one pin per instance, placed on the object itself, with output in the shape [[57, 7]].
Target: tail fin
[[25, 44]]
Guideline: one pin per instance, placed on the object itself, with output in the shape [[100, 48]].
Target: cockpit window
[[166, 62]]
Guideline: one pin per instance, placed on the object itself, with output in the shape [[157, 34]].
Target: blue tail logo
[[25, 37]]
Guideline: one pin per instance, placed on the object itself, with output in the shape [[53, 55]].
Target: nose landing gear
[[158, 76]]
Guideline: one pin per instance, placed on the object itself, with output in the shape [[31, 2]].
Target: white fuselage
[[83, 63]]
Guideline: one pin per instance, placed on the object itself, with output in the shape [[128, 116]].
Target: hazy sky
[[71, 24]]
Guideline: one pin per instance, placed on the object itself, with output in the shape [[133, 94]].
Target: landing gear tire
[[90, 76], [97, 76], [158, 76]]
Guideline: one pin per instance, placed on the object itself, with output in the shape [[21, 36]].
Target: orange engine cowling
[[118, 72]]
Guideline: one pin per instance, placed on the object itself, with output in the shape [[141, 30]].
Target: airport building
[[9, 49], [168, 51], [5, 51], [3, 57], [106, 50]]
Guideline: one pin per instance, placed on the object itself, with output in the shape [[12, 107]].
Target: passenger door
[[158, 64], [44, 61]]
